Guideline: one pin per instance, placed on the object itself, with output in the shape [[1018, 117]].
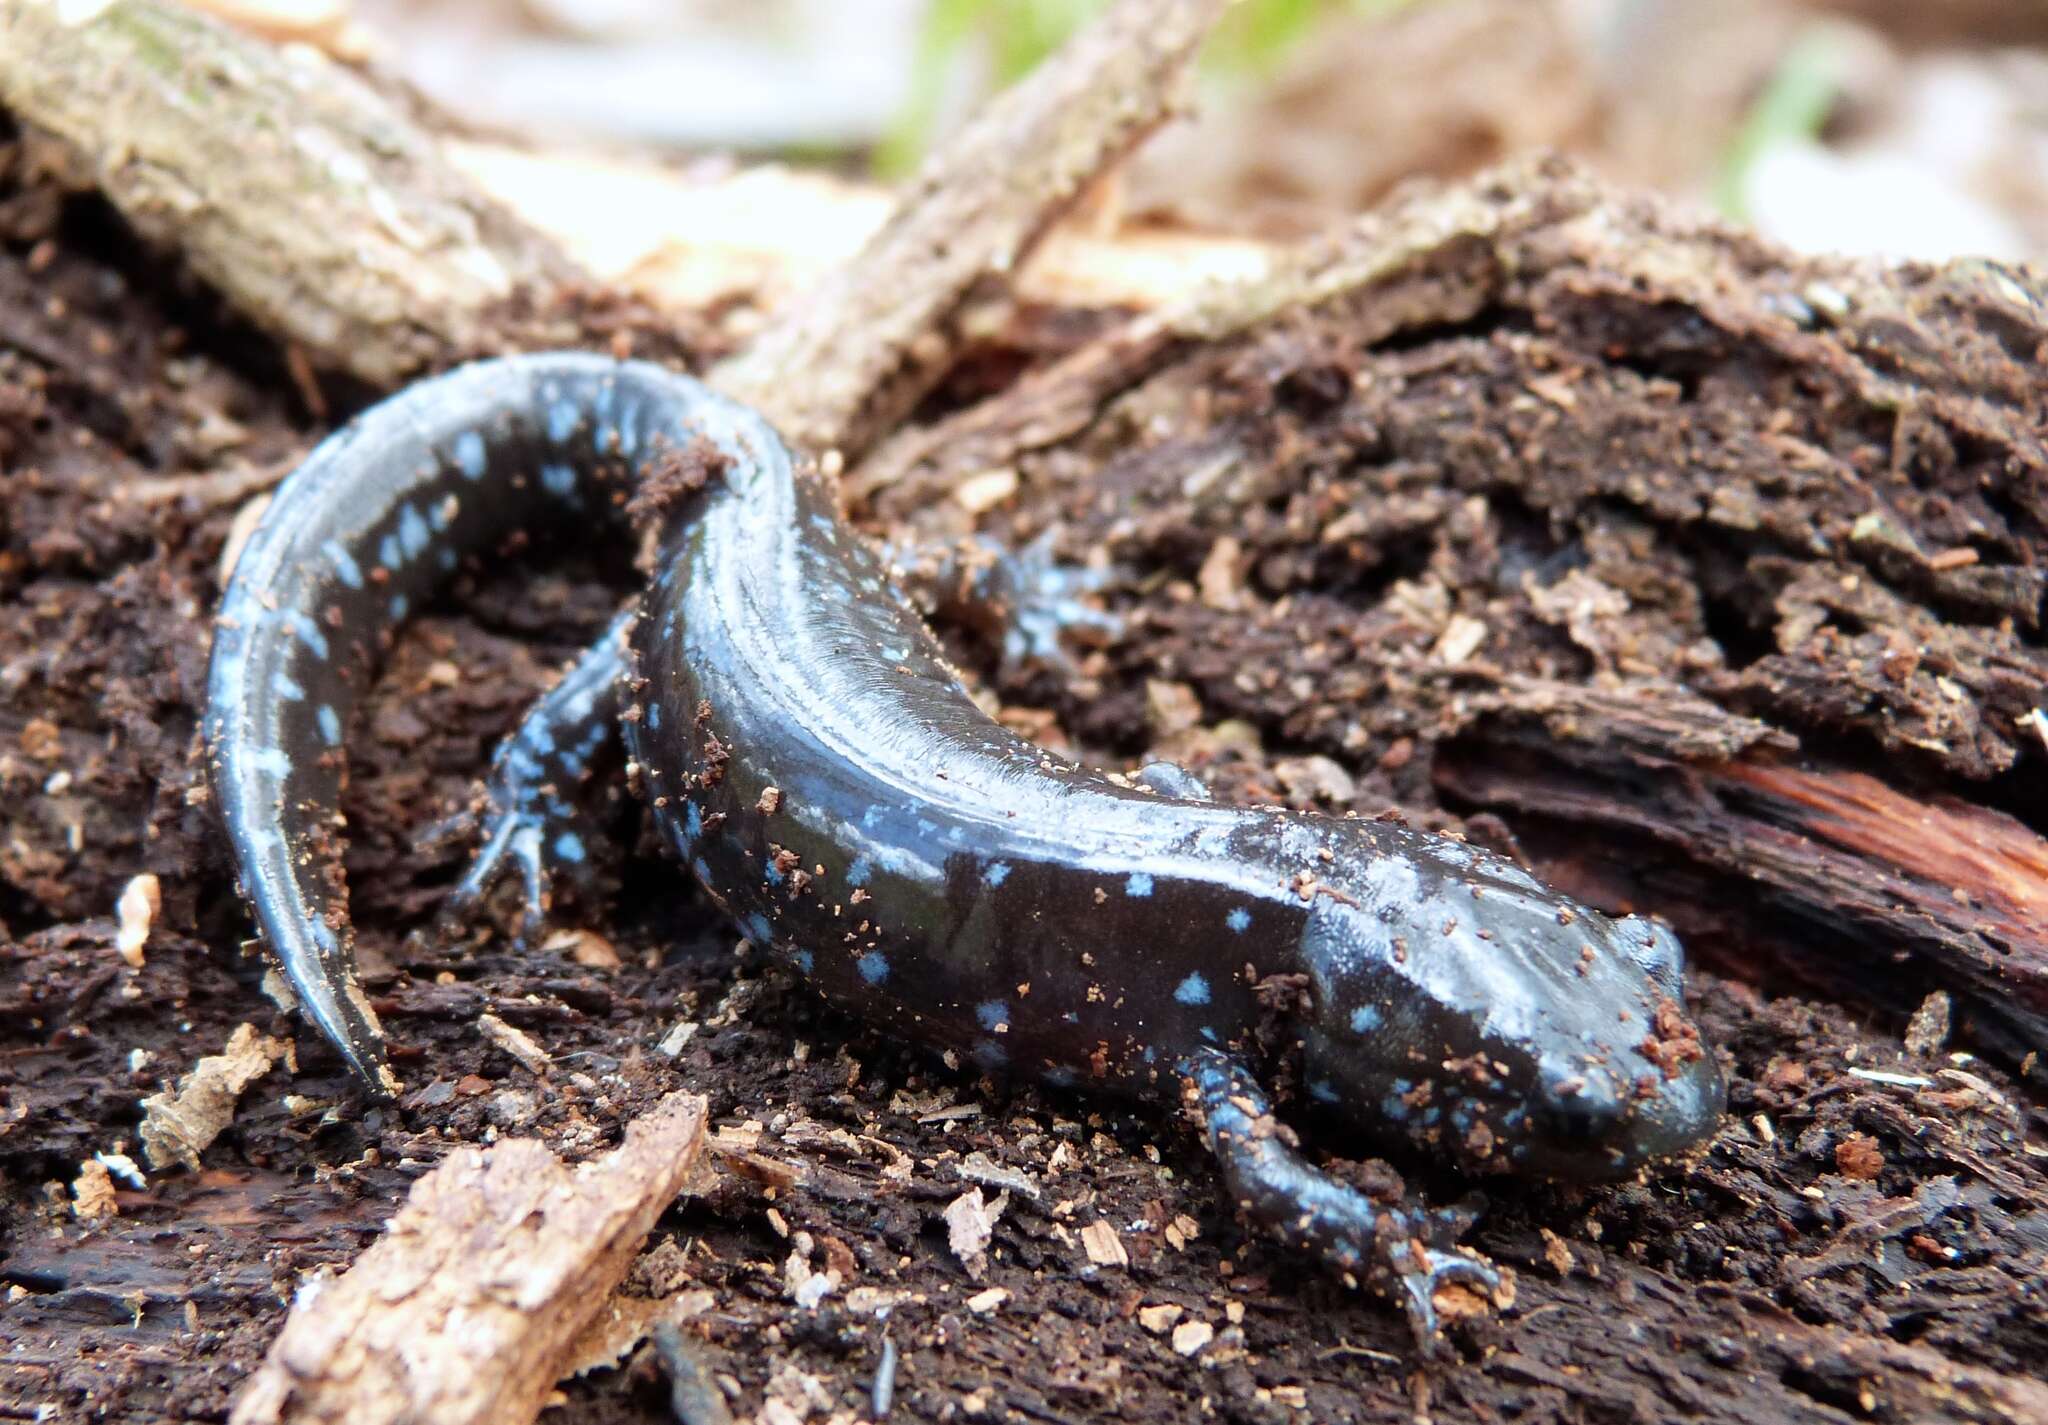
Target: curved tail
[[375, 520]]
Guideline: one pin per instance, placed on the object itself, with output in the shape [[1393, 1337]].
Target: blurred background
[[1901, 128]]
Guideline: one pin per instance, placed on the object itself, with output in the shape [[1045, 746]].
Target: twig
[[848, 360]]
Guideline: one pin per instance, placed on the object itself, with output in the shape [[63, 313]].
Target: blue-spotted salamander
[[805, 749]]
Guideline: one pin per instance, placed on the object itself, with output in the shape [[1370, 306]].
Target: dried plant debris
[[178, 1127], [502, 1257]]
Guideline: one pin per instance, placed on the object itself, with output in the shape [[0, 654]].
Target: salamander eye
[[1654, 947]]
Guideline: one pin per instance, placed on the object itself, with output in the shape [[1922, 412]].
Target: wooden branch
[[471, 1305], [871, 339], [312, 204]]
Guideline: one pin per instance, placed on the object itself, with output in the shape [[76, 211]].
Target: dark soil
[[1866, 1239]]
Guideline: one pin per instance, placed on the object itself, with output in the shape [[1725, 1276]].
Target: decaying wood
[[1896, 600], [471, 1305], [309, 200], [871, 339]]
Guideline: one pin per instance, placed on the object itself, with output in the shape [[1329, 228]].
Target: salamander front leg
[[1023, 599], [1406, 1250], [533, 816]]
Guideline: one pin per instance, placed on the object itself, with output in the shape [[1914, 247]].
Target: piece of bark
[[872, 338], [178, 1127], [314, 204], [474, 1301]]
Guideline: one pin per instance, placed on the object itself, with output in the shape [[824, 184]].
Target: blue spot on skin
[[758, 929], [1192, 990], [858, 874], [1393, 1110], [773, 872], [345, 567], [1209, 1032], [558, 480], [387, 552], [271, 760], [1365, 1019], [654, 717], [569, 847], [330, 725], [561, 420], [400, 607], [1151, 1054], [1323, 1091], [702, 872], [469, 454], [307, 632], [874, 967], [441, 516], [281, 684], [447, 560], [693, 820], [991, 1013], [1239, 920], [413, 533], [803, 960], [1139, 884], [998, 873]]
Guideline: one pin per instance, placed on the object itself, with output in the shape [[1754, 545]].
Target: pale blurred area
[[1902, 128]]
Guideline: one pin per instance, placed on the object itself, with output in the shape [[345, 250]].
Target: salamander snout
[[1590, 1126]]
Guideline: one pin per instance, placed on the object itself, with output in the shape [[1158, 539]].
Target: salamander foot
[[531, 818], [1023, 598], [1407, 1252]]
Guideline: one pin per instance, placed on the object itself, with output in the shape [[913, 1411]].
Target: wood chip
[[970, 1223], [474, 1302], [1157, 1319], [140, 901], [1927, 1031], [92, 1192], [178, 1127], [516, 1043], [985, 491], [1217, 579], [586, 947], [1103, 1246], [983, 1302], [623, 1323], [1191, 1336]]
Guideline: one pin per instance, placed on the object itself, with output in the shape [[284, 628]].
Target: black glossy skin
[[809, 754]]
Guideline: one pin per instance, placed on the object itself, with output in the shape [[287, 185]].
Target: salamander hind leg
[[1406, 1251], [538, 814]]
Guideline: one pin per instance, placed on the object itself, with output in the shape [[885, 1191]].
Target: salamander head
[[1462, 1004]]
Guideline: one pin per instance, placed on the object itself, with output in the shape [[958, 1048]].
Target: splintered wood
[[471, 1305]]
